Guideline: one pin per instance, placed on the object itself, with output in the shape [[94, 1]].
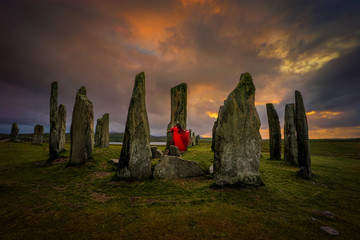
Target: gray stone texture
[[102, 132], [197, 139], [290, 142], [135, 156], [156, 153], [38, 135], [238, 141], [274, 132], [61, 127], [178, 110], [82, 129], [14, 136], [302, 137], [174, 151], [193, 139], [54, 122], [190, 136], [171, 167]]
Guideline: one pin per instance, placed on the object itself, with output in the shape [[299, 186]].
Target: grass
[[41, 201]]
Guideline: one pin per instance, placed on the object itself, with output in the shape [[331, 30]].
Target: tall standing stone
[[38, 135], [290, 142], [213, 135], [302, 137], [216, 136], [135, 156], [238, 140], [102, 132], [178, 110], [14, 136], [82, 129], [62, 127], [54, 122], [193, 139], [197, 139], [274, 132], [190, 136]]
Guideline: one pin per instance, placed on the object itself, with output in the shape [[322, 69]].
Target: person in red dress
[[181, 137]]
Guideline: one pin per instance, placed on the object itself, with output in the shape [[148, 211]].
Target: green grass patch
[[53, 201]]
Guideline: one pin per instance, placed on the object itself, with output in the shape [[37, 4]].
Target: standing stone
[[290, 142], [14, 136], [102, 132], [193, 138], [62, 127], [178, 110], [197, 139], [302, 137], [238, 140], [274, 132], [135, 156], [174, 151], [213, 135], [54, 122], [82, 129], [190, 136], [38, 135], [216, 138]]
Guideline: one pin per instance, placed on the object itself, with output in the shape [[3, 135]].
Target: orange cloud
[[323, 114], [212, 114], [342, 132]]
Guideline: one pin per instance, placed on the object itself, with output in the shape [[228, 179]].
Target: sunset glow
[[212, 114]]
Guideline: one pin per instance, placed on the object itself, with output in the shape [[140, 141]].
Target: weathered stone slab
[[82, 129], [178, 110], [62, 127], [274, 132], [102, 132], [135, 157], [290, 142], [238, 141], [38, 135], [14, 136], [156, 153], [302, 137], [54, 123], [171, 167]]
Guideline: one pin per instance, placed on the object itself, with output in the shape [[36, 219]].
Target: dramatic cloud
[[311, 46]]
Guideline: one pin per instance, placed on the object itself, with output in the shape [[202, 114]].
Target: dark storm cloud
[[336, 88]]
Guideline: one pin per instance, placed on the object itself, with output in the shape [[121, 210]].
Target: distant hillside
[[114, 137]]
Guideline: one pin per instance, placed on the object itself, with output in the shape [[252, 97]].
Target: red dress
[[180, 138]]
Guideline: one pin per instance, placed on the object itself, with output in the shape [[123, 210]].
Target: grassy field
[[41, 201]]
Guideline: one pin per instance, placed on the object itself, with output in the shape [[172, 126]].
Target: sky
[[310, 46]]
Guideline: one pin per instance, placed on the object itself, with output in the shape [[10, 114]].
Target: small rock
[[325, 213], [314, 219], [330, 230], [174, 151], [114, 161], [156, 153], [211, 169]]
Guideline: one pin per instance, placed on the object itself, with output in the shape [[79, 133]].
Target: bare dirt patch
[[101, 174], [61, 160], [100, 197]]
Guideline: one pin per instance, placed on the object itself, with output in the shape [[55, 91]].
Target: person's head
[[178, 125]]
